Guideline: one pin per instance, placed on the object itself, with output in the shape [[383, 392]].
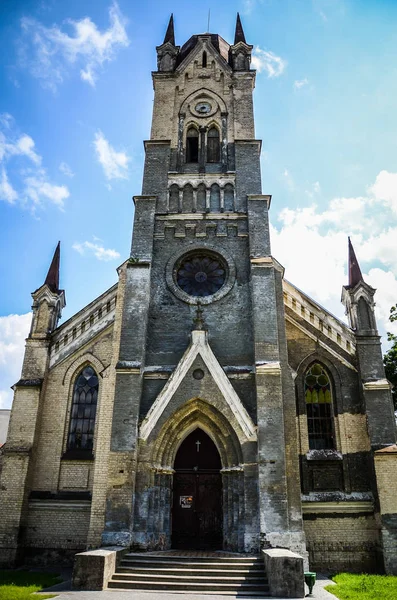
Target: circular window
[[201, 275]]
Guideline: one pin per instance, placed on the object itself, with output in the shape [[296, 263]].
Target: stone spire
[[52, 279], [239, 33], [170, 35], [355, 274]]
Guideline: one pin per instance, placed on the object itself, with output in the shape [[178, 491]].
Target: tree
[[390, 358]]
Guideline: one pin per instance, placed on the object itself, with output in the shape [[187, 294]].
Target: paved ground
[[65, 593]]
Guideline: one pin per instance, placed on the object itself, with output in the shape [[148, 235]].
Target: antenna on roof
[[209, 17]]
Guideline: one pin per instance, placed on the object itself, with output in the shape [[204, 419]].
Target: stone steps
[[242, 575]]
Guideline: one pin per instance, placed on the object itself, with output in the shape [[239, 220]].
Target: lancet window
[[83, 412], [192, 145], [213, 146], [319, 410]]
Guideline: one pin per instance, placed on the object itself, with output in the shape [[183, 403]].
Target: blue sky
[[75, 106]]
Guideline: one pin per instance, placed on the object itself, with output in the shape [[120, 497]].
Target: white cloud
[[50, 52], [300, 83], [13, 331], [385, 189], [6, 120], [20, 146], [38, 190], [7, 192], [66, 170], [96, 250], [312, 245], [115, 164], [268, 62], [35, 188]]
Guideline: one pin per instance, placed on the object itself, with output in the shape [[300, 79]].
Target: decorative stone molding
[[379, 384], [337, 507], [179, 293], [199, 346], [268, 368]]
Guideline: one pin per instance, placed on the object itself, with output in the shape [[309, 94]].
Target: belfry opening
[[197, 494]]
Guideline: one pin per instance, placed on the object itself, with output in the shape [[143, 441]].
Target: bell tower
[[201, 245]]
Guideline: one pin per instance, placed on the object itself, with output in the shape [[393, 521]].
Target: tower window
[[192, 145], [204, 62], [213, 146], [82, 420], [318, 396]]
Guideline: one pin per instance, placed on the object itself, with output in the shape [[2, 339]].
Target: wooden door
[[197, 495]]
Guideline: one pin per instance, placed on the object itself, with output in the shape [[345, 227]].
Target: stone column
[[386, 476], [129, 366], [278, 474]]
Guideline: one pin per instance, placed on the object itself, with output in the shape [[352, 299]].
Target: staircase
[[204, 573]]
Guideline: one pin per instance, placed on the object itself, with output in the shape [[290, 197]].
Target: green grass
[[21, 585], [363, 587]]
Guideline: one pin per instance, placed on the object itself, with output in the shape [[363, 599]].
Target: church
[[203, 402]]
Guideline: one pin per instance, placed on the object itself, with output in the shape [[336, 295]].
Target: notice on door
[[186, 501]]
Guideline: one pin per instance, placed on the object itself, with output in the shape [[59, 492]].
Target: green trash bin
[[310, 580]]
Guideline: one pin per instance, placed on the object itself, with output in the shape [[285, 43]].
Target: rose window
[[201, 275]]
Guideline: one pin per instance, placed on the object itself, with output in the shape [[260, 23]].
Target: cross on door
[[198, 444]]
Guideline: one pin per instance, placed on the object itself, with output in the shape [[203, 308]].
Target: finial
[[170, 35], [52, 279], [199, 324], [355, 274], [239, 34]]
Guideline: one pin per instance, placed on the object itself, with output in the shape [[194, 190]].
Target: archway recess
[[197, 494]]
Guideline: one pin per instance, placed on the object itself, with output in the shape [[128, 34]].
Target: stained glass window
[[201, 274], [318, 396], [82, 420]]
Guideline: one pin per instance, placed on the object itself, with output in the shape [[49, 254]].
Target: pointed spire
[[169, 35], [239, 34], [355, 274], [52, 279]]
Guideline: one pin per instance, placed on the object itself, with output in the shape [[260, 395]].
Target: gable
[[199, 347]]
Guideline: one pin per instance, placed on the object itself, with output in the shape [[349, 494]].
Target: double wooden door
[[197, 495]]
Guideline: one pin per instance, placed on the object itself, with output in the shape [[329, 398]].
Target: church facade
[[202, 402]]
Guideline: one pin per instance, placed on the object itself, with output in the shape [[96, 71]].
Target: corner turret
[[167, 53], [48, 300], [240, 52], [358, 298]]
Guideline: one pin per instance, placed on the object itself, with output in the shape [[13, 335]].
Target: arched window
[[82, 419], [192, 145], [318, 396], [364, 318], [204, 63], [213, 146]]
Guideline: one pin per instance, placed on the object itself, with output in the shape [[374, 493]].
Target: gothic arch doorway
[[197, 494]]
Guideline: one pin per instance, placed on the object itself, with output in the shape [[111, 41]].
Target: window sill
[[324, 455], [77, 454]]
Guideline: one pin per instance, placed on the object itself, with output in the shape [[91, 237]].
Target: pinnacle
[[355, 274], [170, 35], [52, 279], [239, 34]]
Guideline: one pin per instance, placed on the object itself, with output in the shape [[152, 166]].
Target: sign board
[[186, 501]]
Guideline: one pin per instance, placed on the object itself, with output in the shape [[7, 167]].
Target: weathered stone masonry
[[202, 331]]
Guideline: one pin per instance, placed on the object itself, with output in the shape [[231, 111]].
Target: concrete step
[[238, 574], [196, 564], [213, 557], [209, 586], [121, 575], [183, 570]]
